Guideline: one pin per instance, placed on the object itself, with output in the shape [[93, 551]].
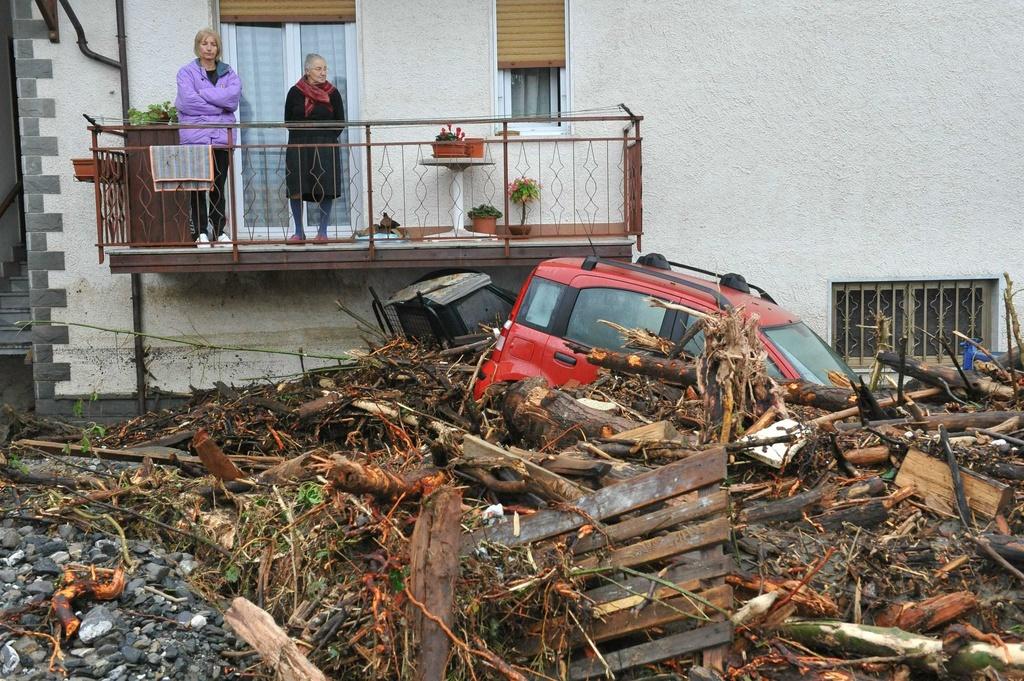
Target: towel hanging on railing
[[182, 167]]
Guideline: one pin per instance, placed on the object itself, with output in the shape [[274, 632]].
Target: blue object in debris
[[972, 353]]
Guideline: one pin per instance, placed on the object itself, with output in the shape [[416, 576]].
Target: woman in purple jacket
[[208, 92]]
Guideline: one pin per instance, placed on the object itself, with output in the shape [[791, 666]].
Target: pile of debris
[[377, 522]]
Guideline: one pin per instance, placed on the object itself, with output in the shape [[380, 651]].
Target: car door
[[586, 304]]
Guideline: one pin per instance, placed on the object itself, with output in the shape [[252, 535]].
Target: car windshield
[[809, 355]]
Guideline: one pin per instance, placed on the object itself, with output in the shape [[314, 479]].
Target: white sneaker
[[224, 238], [203, 241]]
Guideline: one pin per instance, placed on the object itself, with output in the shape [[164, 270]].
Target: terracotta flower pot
[[474, 147], [449, 149], [85, 169], [485, 225], [517, 230]]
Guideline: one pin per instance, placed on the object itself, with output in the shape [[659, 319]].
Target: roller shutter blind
[[277, 11], [531, 33]]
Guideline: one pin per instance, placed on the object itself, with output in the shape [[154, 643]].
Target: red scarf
[[315, 93]]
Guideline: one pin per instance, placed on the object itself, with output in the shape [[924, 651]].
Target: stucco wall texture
[[799, 143]]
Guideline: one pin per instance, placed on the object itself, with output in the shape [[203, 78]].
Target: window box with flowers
[[450, 143]]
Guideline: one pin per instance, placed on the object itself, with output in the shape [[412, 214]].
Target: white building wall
[[796, 142], [802, 142]]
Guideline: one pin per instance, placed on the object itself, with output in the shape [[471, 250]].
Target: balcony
[[590, 199]]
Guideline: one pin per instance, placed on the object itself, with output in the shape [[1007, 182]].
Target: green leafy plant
[[484, 210], [310, 494], [154, 113], [85, 444], [523, 190], [95, 430], [78, 408], [14, 461], [232, 574]]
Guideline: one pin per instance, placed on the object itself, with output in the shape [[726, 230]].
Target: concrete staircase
[[14, 307]]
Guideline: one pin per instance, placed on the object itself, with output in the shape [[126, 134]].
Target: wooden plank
[[654, 651], [164, 455], [552, 484], [686, 539], [433, 569], [565, 465], [257, 628], [661, 519], [628, 586], [659, 431], [934, 485], [643, 490]]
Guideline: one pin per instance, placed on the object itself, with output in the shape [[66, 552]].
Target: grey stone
[[10, 538], [40, 587], [155, 572], [49, 547], [131, 654], [47, 390], [96, 623], [134, 585], [141, 547], [33, 203], [37, 241], [46, 260], [46, 566], [26, 87], [38, 278], [197, 622], [23, 49], [107, 650], [184, 618], [38, 146], [698, 673], [148, 628], [33, 68], [66, 531], [60, 557], [25, 645], [53, 334], [8, 576], [43, 352], [171, 653], [44, 222], [41, 184], [48, 297], [41, 314], [40, 107], [154, 659], [30, 28], [14, 558], [22, 9], [52, 371], [119, 672]]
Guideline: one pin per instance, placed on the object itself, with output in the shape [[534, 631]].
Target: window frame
[[990, 324], [293, 58], [502, 83]]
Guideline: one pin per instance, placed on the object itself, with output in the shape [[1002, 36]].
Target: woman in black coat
[[313, 173]]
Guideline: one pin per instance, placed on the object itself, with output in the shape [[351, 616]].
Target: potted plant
[[485, 218], [450, 143], [522, 190], [153, 114]]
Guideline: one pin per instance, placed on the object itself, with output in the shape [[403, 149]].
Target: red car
[[563, 299]]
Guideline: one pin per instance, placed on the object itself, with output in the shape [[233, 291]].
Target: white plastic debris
[[494, 511], [778, 454], [9, 660]]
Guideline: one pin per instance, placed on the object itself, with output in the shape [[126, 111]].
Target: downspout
[[121, 64]]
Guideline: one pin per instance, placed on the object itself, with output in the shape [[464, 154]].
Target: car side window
[[695, 345], [540, 303], [626, 308]]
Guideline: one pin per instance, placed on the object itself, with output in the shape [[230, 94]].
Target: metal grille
[[923, 310]]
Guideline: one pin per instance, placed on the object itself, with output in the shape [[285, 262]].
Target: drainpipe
[[121, 64]]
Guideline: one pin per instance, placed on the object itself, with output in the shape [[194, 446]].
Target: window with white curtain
[[269, 60]]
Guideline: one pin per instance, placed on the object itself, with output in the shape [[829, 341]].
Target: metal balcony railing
[[590, 177]]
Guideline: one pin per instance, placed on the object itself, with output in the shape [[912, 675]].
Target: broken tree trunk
[[673, 371], [345, 475], [937, 375], [820, 396], [541, 415], [1008, 546], [927, 614], [868, 456], [954, 423], [433, 569], [481, 454], [257, 628], [863, 640]]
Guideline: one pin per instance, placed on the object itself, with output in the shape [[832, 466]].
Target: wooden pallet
[[670, 525]]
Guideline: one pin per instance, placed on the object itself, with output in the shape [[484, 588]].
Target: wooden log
[[868, 514], [927, 614], [433, 569], [934, 485], [886, 402], [213, 457], [345, 475], [791, 508], [661, 483], [953, 422], [257, 628], [1008, 546], [820, 396], [872, 487], [974, 658], [937, 375], [158, 455], [1007, 471], [540, 480], [564, 464], [868, 456], [307, 409], [541, 416], [864, 640], [672, 371]]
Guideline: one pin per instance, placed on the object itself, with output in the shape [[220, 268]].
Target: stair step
[[14, 348], [13, 299], [9, 317], [17, 284]]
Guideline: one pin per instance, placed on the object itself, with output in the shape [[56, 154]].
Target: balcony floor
[[357, 256]]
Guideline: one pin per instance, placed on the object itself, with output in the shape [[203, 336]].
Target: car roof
[[564, 270]]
